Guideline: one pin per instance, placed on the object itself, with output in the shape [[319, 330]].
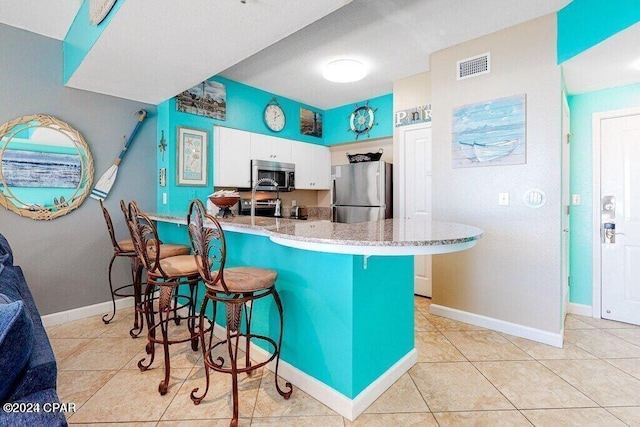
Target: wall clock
[[99, 9], [362, 119], [274, 116]]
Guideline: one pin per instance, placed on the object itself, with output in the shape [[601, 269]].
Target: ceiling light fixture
[[636, 65], [344, 71]]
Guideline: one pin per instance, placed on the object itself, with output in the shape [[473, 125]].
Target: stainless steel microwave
[[282, 173]]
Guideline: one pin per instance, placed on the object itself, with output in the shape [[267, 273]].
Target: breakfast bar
[[347, 292]]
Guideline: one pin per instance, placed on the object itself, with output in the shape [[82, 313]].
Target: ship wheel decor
[[362, 119]]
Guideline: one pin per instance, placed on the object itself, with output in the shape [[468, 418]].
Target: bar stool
[[237, 288], [168, 267], [125, 249]]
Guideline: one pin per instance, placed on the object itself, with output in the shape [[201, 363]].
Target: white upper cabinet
[[313, 166], [234, 149], [232, 157], [267, 147]]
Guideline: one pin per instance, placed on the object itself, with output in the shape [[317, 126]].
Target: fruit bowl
[[224, 201]]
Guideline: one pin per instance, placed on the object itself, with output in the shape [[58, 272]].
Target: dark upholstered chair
[[237, 289]]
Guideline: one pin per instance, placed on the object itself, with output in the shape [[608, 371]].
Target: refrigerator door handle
[[332, 197]]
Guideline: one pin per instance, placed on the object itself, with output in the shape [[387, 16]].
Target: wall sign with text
[[414, 115]]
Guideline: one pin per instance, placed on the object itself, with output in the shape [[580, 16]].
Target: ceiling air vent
[[474, 66]]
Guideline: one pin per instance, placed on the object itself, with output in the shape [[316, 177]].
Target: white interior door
[[415, 173], [620, 205]]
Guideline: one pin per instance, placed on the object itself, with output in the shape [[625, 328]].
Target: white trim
[[395, 250], [596, 303], [580, 309], [348, 408], [84, 312], [498, 325]]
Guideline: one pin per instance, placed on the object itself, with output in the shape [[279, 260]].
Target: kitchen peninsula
[[347, 292]]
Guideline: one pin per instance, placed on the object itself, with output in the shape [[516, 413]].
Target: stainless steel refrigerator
[[361, 192]]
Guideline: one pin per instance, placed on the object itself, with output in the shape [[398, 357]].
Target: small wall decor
[[163, 145], [192, 156], [208, 99], [362, 119], [411, 116], [490, 133], [310, 123], [46, 167], [273, 115], [99, 9]]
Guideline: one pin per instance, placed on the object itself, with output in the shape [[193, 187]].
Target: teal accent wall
[[81, 37], [337, 315], [582, 109], [585, 23], [245, 107], [336, 121]]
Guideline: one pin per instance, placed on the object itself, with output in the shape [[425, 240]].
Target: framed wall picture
[[490, 133], [310, 123], [192, 156], [208, 99]]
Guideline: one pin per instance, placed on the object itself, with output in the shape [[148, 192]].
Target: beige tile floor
[[466, 376]]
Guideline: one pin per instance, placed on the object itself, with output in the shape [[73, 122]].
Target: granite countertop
[[382, 237]]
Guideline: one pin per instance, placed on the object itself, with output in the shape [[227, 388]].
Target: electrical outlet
[[503, 199], [164, 198], [162, 177]]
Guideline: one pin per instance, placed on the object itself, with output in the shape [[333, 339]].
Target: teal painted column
[[344, 325], [82, 36], [585, 23]]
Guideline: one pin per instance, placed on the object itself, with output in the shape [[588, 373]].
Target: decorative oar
[[104, 184]]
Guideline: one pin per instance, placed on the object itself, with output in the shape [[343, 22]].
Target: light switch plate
[[576, 200], [503, 199]]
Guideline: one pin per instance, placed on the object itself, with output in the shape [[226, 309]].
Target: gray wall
[[65, 260], [514, 272]]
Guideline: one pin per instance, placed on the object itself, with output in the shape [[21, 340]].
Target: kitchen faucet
[[253, 197]]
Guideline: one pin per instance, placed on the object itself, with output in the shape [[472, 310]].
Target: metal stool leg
[[285, 394], [113, 298]]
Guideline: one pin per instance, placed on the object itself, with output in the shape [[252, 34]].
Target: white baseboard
[[348, 408], [84, 312], [515, 329], [580, 309]]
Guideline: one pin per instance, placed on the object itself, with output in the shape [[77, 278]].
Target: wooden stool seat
[[168, 250], [245, 279], [126, 245], [179, 265]]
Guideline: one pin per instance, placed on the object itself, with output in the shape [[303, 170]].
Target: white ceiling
[[51, 18], [154, 50], [605, 65]]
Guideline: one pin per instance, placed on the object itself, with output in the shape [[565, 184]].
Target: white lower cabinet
[[313, 166], [232, 157]]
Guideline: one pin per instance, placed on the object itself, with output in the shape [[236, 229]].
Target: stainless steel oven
[[282, 173]]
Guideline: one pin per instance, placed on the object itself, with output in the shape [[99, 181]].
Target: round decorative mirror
[[46, 168]]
